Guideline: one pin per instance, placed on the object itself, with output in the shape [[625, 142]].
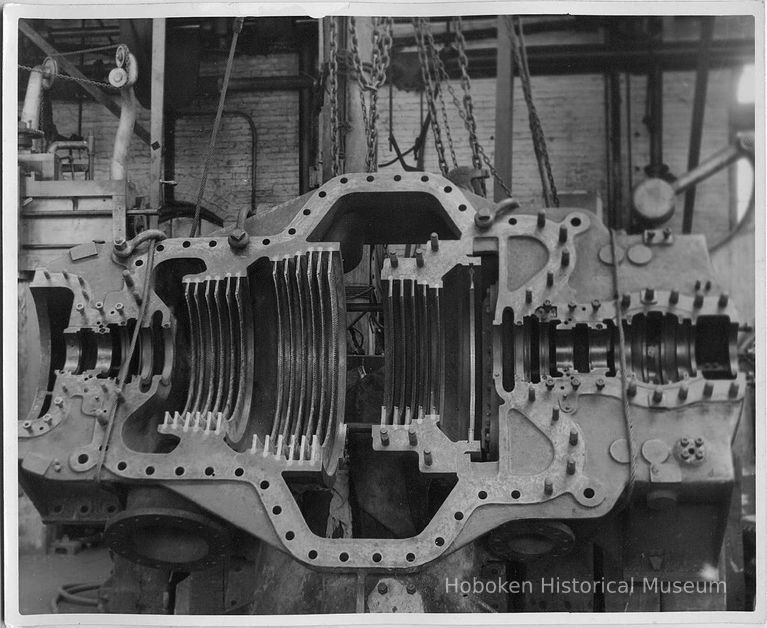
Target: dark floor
[[40, 576]]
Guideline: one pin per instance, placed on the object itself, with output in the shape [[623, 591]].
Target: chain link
[[66, 77], [381, 58], [435, 60], [419, 25], [471, 123], [539, 139], [333, 80], [444, 78]]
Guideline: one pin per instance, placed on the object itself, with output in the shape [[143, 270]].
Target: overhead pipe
[[124, 77], [40, 78]]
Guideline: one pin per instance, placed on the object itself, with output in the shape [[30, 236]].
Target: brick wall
[[571, 109], [228, 188]]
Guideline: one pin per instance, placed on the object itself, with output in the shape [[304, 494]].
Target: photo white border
[[90, 9]]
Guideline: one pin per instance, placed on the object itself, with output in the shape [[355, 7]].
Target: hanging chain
[[471, 123], [381, 58], [333, 80], [419, 25], [443, 77], [519, 50], [435, 61], [66, 77]]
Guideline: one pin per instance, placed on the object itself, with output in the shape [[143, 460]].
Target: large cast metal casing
[[502, 370]]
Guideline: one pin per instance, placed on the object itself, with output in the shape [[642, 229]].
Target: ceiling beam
[[70, 68]]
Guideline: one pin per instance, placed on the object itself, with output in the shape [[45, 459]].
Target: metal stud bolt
[[572, 306], [549, 383], [673, 298], [384, 437], [434, 240], [699, 455], [596, 304], [419, 258], [58, 401], [382, 588], [128, 277], [548, 486], [699, 441], [549, 279], [649, 295], [531, 393], [562, 234], [565, 258], [575, 383], [657, 395], [723, 300], [555, 414], [570, 466], [528, 296], [541, 222], [631, 389], [410, 588], [697, 285], [625, 301], [684, 441], [698, 301], [393, 259], [734, 389], [684, 389], [427, 460], [573, 437], [708, 389], [412, 436]]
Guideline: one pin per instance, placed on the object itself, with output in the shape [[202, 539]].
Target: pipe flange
[[168, 538], [531, 540]]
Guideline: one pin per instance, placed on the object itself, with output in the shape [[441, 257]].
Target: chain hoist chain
[[435, 60], [381, 57], [463, 62], [335, 153], [444, 78], [428, 85], [66, 77], [539, 139]]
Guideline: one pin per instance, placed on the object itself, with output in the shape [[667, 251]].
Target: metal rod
[[157, 112], [504, 108], [698, 113], [717, 161]]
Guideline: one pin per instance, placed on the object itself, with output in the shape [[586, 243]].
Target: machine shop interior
[[350, 314]]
